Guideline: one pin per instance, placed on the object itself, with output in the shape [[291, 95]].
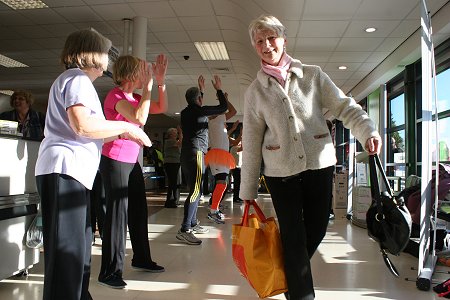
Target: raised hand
[[159, 69], [145, 75], [201, 83], [217, 82]]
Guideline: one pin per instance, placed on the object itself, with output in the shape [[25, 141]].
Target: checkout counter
[[18, 203]]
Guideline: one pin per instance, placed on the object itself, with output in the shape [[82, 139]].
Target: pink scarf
[[278, 72]]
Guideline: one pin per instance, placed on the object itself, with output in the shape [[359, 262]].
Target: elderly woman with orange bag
[[285, 128]]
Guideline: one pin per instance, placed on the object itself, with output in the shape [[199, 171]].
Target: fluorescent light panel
[[24, 4], [10, 63], [6, 92], [212, 50]]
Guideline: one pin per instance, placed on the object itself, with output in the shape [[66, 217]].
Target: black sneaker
[[113, 281], [152, 267], [170, 205]]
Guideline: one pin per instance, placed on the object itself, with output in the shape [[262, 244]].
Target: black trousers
[[236, 183], [173, 192], [98, 205], [138, 217], [125, 203], [301, 203], [193, 167], [67, 237]]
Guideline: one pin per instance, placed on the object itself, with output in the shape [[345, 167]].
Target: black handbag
[[388, 220]]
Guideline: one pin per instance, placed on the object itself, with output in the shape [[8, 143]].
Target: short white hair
[[266, 22]]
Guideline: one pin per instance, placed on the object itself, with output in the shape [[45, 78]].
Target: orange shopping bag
[[257, 252]]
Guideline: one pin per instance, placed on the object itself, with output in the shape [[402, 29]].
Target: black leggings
[[301, 203]]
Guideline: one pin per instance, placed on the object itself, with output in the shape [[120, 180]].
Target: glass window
[[397, 111], [443, 87], [444, 140], [396, 145]]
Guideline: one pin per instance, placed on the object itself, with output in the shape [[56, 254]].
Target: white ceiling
[[328, 33]]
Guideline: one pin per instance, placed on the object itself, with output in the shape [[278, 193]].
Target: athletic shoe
[[188, 237], [113, 281], [151, 268], [170, 205], [197, 229], [217, 217]]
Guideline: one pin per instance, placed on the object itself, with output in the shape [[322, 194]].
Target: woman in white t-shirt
[[69, 156]]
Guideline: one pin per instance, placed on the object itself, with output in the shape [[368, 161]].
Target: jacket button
[[291, 118], [301, 157], [295, 138]]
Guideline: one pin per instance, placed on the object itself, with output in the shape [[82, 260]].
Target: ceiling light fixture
[[177, 113], [342, 67], [212, 50], [370, 29], [11, 63], [6, 92], [25, 4]]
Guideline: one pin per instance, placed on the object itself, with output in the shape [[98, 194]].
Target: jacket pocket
[[273, 147], [321, 136]]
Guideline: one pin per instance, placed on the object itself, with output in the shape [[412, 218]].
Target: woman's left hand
[[160, 68], [146, 75], [373, 145]]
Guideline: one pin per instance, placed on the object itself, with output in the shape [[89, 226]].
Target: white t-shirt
[[218, 137], [62, 151]]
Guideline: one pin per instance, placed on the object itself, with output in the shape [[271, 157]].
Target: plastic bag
[[35, 238], [257, 252]]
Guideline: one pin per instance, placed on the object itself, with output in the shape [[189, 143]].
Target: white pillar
[[139, 49], [383, 123], [126, 36], [139, 42]]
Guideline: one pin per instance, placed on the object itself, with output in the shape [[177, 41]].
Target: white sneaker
[[197, 229]]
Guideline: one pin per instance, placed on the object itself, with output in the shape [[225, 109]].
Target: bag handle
[[246, 214], [374, 163]]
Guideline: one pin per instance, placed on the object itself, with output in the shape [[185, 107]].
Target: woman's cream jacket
[[285, 128]]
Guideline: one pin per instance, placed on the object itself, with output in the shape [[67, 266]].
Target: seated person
[[31, 122]]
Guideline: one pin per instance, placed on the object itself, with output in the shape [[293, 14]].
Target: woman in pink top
[[121, 171]]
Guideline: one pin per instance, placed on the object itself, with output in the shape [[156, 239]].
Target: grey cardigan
[[285, 127]]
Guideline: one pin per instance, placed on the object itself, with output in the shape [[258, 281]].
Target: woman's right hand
[[137, 135]]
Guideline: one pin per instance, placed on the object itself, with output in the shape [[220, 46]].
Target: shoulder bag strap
[[374, 186]]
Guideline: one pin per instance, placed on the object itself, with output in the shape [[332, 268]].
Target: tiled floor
[[347, 265]]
